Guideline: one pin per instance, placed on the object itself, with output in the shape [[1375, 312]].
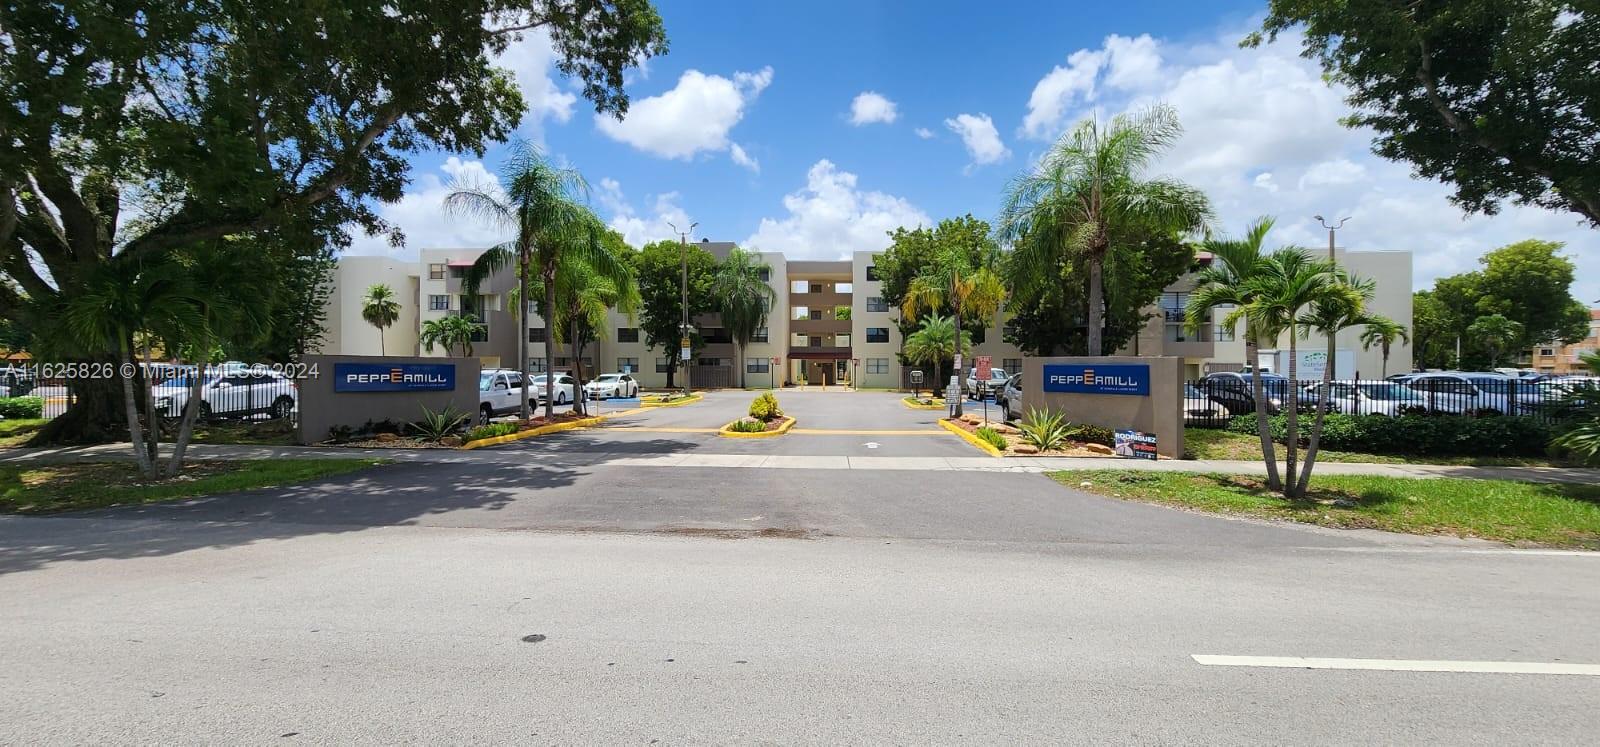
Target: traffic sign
[[981, 362]]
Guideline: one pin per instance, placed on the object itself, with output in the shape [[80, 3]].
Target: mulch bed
[[1013, 440]]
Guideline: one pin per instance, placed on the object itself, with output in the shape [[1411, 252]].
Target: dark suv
[[1235, 391]]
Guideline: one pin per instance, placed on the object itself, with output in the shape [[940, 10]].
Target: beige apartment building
[[830, 326], [1567, 359]]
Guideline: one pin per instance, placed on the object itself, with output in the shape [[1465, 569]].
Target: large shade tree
[[1090, 188], [659, 268], [129, 132]]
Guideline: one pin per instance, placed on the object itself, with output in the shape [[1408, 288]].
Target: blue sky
[[751, 126]]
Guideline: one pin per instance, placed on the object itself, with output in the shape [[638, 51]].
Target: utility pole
[[1331, 229], [683, 328]]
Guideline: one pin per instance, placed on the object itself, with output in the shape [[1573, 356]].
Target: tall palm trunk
[[1316, 425], [381, 349], [130, 406], [191, 412], [741, 364], [522, 334], [1292, 402], [1384, 371], [151, 415], [578, 405], [961, 381], [550, 343], [1269, 453], [1096, 302]]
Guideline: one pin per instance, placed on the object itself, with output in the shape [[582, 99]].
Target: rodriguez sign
[[1127, 379], [403, 377]]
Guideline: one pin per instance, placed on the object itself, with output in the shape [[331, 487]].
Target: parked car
[[238, 393], [1010, 397], [979, 388], [1471, 393], [1370, 397], [563, 388], [1198, 409], [1234, 391], [500, 392], [612, 385]]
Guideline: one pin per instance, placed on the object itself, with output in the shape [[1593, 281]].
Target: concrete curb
[[907, 402], [693, 398], [530, 433], [971, 439], [726, 433]]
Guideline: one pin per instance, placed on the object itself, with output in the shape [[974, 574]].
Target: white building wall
[[348, 333]]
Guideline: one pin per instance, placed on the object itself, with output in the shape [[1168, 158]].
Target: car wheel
[[561, 398], [484, 414], [282, 408]]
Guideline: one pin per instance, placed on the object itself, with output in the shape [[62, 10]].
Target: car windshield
[[608, 378], [1391, 392], [485, 381]]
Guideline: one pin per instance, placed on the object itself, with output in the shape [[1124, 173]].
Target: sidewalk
[[757, 461]]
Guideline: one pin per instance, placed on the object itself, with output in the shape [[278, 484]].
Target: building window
[[716, 335], [1007, 331], [663, 364], [536, 334], [1222, 333], [816, 314], [563, 362], [841, 341], [1013, 366], [801, 312], [764, 274], [815, 341], [438, 303], [536, 365], [760, 335], [628, 365], [757, 365], [1547, 351], [818, 287], [627, 334], [713, 362], [872, 273], [877, 365], [458, 272], [877, 334], [876, 303], [436, 271]]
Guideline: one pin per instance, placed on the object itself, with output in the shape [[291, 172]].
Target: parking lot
[[828, 424]]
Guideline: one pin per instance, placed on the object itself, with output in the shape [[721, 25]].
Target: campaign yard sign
[[1134, 445], [1098, 378], [394, 377]]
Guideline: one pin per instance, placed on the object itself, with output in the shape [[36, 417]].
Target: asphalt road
[[692, 605]]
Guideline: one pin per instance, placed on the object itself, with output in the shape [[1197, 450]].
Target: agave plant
[[1044, 429], [436, 425]]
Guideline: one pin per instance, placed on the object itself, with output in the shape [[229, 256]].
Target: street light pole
[[1332, 362], [683, 327], [1331, 229]]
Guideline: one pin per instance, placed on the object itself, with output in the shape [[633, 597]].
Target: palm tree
[[1342, 307], [1496, 333], [455, 330], [1088, 189], [935, 340], [539, 204], [954, 280], [381, 310], [742, 298], [1227, 281], [1291, 279], [1383, 332]]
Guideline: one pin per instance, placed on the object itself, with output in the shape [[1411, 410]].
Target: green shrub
[[22, 408], [1044, 429], [765, 407], [1091, 434], [992, 437], [491, 430], [748, 425], [1453, 435], [436, 425]]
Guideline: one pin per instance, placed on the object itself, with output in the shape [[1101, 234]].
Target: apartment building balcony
[[819, 300], [819, 352], [825, 326]]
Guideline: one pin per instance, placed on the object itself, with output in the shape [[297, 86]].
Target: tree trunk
[[672, 366], [1316, 425], [1096, 302], [141, 455], [1384, 371], [961, 381], [550, 344], [741, 364], [1291, 401], [381, 349], [191, 413], [151, 416], [96, 408], [522, 334], [1259, 392], [578, 405]]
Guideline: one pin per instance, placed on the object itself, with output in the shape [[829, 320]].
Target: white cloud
[[924, 133], [743, 159], [420, 214], [980, 137], [531, 60], [830, 218], [1262, 137], [636, 229], [870, 107], [695, 116]]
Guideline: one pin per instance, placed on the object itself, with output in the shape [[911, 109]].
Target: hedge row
[[1417, 434], [22, 408]]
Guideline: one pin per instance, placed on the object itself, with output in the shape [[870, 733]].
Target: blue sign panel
[[1103, 378], [394, 377]]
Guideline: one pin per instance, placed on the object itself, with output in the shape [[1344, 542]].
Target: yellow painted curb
[[788, 423], [530, 433], [693, 398], [907, 402], [970, 438]]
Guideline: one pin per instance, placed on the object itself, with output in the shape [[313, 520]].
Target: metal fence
[[229, 391], [1213, 401]]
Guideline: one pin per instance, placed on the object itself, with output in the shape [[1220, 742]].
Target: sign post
[[772, 374], [981, 371], [916, 383]]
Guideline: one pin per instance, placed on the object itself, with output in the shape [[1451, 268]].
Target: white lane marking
[[1400, 665]]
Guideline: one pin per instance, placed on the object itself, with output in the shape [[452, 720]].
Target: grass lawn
[[1216, 443], [1515, 512], [49, 488], [15, 432]]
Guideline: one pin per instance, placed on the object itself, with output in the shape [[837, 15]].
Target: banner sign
[[1104, 378], [1134, 445], [394, 377], [981, 362]]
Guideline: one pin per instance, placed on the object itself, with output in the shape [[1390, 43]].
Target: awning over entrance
[[837, 354]]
